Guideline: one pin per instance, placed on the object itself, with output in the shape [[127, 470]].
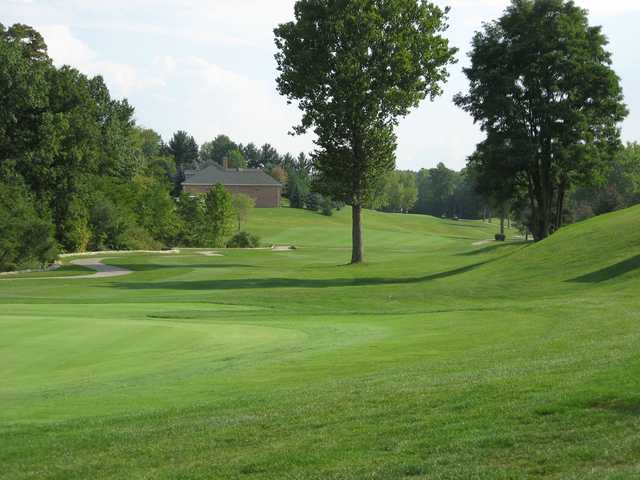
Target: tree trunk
[[357, 254], [502, 224]]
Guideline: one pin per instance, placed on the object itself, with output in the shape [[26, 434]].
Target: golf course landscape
[[445, 356]]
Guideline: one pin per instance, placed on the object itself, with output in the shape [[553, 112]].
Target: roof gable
[[214, 174]]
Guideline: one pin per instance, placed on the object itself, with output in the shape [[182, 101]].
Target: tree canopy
[[544, 92]]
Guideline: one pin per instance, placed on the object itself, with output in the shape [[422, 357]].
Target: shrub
[[326, 207], [27, 240], [243, 240], [500, 237]]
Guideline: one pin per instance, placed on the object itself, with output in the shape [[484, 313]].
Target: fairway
[[442, 357]]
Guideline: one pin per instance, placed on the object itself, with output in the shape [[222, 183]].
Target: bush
[[27, 239], [326, 207], [314, 201], [243, 240], [500, 237]]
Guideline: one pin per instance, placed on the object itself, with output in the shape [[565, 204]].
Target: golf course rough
[[442, 357]]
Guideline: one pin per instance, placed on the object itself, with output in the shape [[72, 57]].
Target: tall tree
[[184, 149], [251, 153], [355, 68], [217, 150], [543, 88]]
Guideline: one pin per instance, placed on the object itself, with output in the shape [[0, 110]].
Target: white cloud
[[66, 49], [206, 66], [220, 100], [597, 7]]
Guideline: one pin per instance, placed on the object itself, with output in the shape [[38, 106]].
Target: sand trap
[[282, 248], [211, 254], [102, 271], [483, 242]]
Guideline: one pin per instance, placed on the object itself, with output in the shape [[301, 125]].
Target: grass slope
[[438, 359]]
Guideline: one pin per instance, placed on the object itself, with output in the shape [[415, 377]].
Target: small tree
[[242, 205], [219, 216], [355, 67], [192, 220], [236, 159]]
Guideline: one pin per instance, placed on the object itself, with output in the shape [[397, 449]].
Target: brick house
[[255, 183]]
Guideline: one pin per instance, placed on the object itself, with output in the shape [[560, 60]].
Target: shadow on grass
[[491, 248], [260, 283], [611, 272], [626, 406], [147, 267]]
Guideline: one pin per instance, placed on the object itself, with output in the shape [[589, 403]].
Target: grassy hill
[[441, 358]]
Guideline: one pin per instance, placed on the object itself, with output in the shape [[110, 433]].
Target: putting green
[[442, 357]]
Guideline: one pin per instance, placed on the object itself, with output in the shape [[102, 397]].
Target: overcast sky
[[206, 66]]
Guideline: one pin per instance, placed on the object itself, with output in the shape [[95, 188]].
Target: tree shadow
[[261, 283], [611, 272], [627, 406], [147, 267], [489, 249]]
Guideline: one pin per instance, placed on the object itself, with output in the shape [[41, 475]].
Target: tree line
[[542, 88], [76, 169], [447, 193], [77, 173]]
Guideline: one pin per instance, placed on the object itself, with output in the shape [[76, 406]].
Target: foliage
[[544, 92], [619, 189], [216, 150], [184, 150], [243, 240], [218, 216], [354, 68], [191, 212], [236, 159], [25, 237]]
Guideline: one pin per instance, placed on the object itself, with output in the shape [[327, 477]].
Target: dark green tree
[[184, 150], [192, 220], [216, 150], [26, 238], [251, 153], [436, 191], [268, 157], [542, 86], [355, 68]]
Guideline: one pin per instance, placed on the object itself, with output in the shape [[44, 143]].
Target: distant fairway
[[437, 359]]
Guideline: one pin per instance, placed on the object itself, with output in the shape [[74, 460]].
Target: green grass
[[438, 359]]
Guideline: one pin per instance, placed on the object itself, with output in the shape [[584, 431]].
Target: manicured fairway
[[441, 358]]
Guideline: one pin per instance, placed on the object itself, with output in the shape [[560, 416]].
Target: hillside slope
[[382, 230]]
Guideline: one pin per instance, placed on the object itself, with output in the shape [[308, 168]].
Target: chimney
[[225, 163]]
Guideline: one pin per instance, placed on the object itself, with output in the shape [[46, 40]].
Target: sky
[[207, 67]]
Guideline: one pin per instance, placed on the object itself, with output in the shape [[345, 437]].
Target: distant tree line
[[77, 173]]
